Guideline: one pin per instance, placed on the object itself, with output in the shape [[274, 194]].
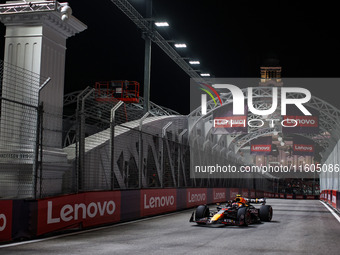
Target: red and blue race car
[[239, 212]]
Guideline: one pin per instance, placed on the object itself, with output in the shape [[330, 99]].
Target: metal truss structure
[[148, 150], [144, 25], [71, 98], [133, 111], [329, 120], [155, 110], [29, 7]]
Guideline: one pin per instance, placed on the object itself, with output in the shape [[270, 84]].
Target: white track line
[[89, 230], [331, 210]]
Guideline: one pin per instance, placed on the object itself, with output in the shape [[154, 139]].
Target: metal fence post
[[38, 143], [140, 152], [112, 139], [81, 164], [180, 156], [78, 139], [162, 151], [38, 151], [41, 109]]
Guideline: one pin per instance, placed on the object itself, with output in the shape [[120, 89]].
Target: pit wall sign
[[6, 207], [87, 209]]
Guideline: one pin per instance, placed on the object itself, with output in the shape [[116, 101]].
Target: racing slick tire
[[266, 213], [202, 211], [243, 215]]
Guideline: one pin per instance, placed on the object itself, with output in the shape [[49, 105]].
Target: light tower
[[35, 44]]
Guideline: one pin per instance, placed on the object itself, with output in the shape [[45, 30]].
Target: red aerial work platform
[[127, 91]]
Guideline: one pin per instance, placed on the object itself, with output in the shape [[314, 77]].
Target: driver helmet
[[239, 199]]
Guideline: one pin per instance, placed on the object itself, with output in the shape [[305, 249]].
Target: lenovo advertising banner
[[303, 146], [261, 146], [5, 220], [245, 193], [219, 195], [157, 201], [259, 193], [252, 193], [93, 208], [322, 195], [196, 197], [296, 122], [225, 122], [267, 194], [334, 198], [233, 193]]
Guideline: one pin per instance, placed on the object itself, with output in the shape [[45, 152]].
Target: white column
[[37, 42], [35, 47]]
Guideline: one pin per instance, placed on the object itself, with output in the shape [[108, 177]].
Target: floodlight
[[205, 74], [180, 45], [162, 24]]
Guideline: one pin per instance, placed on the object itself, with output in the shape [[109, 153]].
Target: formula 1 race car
[[239, 212]]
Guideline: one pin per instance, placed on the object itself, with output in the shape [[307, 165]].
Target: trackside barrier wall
[[331, 197], [6, 220], [81, 210], [330, 180], [30, 218]]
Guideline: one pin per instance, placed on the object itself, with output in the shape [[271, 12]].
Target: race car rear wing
[[256, 200], [261, 200]]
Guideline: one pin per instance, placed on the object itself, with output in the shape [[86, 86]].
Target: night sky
[[229, 38]]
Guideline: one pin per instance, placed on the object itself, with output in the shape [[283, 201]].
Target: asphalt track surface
[[298, 227]]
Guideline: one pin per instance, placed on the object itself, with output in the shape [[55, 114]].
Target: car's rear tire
[[266, 213], [243, 216]]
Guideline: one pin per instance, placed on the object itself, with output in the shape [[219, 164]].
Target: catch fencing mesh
[[93, 145]]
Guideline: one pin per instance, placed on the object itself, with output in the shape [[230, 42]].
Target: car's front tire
[[202, 211]]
